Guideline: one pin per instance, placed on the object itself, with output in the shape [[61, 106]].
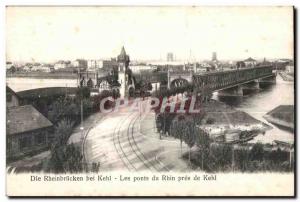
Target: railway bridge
[[229, 82]]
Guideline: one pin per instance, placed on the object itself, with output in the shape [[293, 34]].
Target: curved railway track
[[155, 164], [131, 155], [118, 147]]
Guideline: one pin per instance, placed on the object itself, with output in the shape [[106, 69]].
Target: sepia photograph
[[150, 101]]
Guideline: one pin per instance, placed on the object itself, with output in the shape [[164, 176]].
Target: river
[[260, 103], [20, 84]]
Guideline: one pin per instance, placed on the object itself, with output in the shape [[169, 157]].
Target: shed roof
[[25, 118]]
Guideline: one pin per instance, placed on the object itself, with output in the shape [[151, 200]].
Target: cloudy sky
[[47, 34]]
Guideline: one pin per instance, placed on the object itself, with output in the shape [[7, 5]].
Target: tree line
[[205, 154]]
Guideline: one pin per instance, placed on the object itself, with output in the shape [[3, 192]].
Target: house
[[12, 99], [94, 65], [62, 64], [240, 64], [140, 68], [27, 131], [36, 67], [27, 68], [80, 63], [250, 62], [42, 68], [9, 65]]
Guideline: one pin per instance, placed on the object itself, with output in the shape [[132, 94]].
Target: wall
[[14, 142]]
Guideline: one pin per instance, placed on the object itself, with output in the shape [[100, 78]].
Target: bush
[[257, 152], [63, 130], [83, 92], [220, 157], [210, 120], [65, 158]]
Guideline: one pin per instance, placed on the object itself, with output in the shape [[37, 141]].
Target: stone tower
[[123, 72]]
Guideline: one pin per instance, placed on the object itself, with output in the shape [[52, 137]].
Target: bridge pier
[[250, 87], [267, 81], [235, 91]]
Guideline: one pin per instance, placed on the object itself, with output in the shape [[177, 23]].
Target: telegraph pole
[[232, 157], [140, 105], [81, 110], [81, 113], [291, 152]]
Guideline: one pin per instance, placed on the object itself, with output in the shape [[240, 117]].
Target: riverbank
[[43, 75], [226, 124], [286, 77], [25, 83], [282, 116]]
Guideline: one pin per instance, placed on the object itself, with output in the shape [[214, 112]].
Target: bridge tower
[[124, 72]]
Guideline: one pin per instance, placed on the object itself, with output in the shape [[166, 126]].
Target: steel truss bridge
[[231, 78]]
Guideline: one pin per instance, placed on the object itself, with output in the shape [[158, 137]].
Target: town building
[[125, 78], [110, 64], [283, 63], [170, 57], [240, 64], [114, 74], [12, 99], [9, 65], [80, 63], [41, 67], [35, 66], [62, 65], [27, 130], [214, 56], [250, 62], [141, 68], [94, 65], [27, 68]]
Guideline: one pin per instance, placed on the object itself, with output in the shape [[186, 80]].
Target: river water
[[259, 103]]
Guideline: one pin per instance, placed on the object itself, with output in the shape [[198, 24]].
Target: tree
[[190, 135], [242, 159], [63, 130], [220, 156], [63, 108], [203, 142], [159, 122], [83, 92], [257, 152], [177, 131], [72, 159], [64, 157]]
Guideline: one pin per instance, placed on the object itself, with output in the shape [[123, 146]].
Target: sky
[[48, 34]]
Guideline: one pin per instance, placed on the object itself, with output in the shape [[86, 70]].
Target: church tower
[[123, 72]]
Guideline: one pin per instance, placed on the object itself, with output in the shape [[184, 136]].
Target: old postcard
[[150, 101]]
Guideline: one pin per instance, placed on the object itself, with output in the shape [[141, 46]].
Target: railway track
[[155, 164], [118, 147], [128, 150]]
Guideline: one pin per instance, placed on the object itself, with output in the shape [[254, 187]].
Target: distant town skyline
[[49, 34]]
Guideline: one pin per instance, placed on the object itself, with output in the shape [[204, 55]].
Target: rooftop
[[249, 60], [25, 118], [123, 56]]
